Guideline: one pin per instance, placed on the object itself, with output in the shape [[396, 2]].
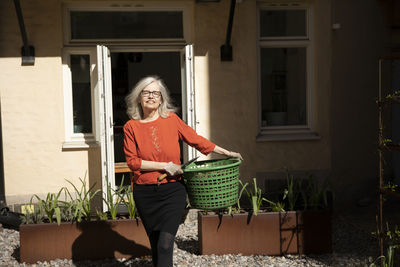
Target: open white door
[[188, 95], [104, 117]]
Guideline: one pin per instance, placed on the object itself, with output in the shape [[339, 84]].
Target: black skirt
[[161, 208]]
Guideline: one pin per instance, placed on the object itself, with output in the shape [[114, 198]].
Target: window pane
[[282, 23], [126, 24], [283, 86], [81, 93]]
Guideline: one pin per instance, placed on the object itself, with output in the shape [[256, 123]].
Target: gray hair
[[134, 109]]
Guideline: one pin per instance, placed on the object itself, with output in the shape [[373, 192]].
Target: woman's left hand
[[235, 155], [223, 151]]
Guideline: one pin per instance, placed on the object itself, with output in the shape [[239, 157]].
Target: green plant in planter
[[238, 209], [50, 206], [129, 202], [114, 198], [80, 206], [34, 215], [243, 188], [315, 196], [70, 209], [256, 199], [292, 192], [276, 206], [43, 209], [102, 216], [67, 209]]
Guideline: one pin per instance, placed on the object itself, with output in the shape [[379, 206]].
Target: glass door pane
[[81, 93]]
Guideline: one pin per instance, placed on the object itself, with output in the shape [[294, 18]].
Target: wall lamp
[[27, 51]]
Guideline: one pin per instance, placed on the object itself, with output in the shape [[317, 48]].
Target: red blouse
[[158, 141]]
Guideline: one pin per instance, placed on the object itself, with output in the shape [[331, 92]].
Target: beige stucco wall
[[32, 106]]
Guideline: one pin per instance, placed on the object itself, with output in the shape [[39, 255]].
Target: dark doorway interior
[[127, 69]]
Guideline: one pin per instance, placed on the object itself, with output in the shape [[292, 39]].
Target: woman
[[151, 145]]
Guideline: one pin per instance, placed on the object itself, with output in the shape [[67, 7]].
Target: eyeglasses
[[155, 94]]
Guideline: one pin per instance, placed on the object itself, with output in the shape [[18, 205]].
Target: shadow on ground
[[354, 231], [15, 253], [137, 262], [191, 245]]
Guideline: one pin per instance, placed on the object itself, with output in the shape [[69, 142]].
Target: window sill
[[80, 144], [287, 136]]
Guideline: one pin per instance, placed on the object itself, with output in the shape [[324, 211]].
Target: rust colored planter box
[[92, 240], [268, 233]]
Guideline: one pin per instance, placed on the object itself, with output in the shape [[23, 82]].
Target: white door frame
[[188, 95]]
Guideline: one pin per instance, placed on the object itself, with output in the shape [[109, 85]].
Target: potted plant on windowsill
[[67, 230], [267, 230]]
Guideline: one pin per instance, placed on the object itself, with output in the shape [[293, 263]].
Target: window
[[78, 96], [124, 22], [285, 72]]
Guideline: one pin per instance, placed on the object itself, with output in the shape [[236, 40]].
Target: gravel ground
[[353, 245]]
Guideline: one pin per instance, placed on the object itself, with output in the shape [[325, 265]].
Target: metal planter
[[93, 240], [268, 233]]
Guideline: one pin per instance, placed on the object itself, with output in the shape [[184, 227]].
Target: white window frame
[[77, 140], [289, 132], [185, 7]]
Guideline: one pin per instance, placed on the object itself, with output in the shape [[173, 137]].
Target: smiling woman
[[151, 145]]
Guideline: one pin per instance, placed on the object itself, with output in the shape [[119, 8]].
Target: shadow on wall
[[94, 167], [98, 240]]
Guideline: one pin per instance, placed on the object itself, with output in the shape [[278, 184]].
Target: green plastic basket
[[212, 184]]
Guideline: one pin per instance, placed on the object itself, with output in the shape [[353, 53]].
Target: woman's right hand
[[173, 169]]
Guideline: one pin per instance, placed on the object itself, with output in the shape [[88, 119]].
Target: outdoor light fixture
[[27, 51], [226, 49]]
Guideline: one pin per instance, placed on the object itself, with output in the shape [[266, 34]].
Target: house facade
[[288, 84]]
